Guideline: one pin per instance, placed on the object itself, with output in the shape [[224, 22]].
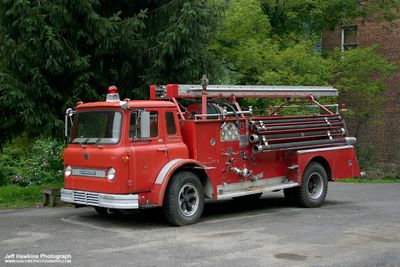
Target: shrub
[[31, 162]]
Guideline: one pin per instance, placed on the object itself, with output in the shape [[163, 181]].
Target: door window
[[170, 120], [134, 127]]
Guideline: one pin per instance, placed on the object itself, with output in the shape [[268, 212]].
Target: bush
[[31, 162], [366, 156]]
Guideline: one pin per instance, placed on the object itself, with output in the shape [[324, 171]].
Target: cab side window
[[134, 127], [170, 120], [133, 130], [153, 123]]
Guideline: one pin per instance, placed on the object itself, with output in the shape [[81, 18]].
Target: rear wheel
[[313, 189], [184, 199]]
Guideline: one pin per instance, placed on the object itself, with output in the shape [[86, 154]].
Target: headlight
[[68, 170], [111, 174]]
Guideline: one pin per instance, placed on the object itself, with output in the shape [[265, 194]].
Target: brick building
[[384, 139]]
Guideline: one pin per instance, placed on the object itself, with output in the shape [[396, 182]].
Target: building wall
[[385, 137]]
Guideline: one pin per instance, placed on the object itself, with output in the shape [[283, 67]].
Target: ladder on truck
[[204, 91], [239, 91]]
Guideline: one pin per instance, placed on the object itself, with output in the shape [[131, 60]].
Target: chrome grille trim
[[86, 172], [115, 201], [81, 197]]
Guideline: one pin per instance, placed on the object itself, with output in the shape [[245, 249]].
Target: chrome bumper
[[111, 201]]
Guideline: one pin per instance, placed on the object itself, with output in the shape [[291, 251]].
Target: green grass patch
[[386, 180], [14, 196]]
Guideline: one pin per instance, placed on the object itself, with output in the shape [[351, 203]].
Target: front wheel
[[313, 189], [184, 199]]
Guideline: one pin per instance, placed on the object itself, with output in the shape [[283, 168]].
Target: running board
[[249, 188]]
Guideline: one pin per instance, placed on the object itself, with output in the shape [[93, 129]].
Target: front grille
[[88, 198]]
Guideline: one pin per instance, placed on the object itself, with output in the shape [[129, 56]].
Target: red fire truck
[[134, 154]]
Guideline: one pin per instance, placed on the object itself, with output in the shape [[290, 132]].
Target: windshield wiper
[[84, 142], [77, 142]]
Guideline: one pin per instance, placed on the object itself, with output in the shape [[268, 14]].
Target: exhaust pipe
[[110, 211]]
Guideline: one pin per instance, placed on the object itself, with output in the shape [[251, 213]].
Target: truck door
[[147, 155], [173, 138]]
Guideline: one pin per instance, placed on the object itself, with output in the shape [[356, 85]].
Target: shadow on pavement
[[213, 210]]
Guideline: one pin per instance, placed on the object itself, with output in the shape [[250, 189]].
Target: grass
[[386, 180], [13, 196]]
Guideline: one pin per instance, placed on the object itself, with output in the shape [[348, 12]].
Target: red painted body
[[144, 168]]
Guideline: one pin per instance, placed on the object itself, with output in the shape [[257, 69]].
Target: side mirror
[[145, 124], [69, 113]]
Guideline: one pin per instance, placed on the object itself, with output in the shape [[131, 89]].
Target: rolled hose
[[260, 148], [301, 126], [254, 138], [321, 118]]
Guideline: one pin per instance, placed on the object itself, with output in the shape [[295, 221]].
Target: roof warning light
[[112, 95]]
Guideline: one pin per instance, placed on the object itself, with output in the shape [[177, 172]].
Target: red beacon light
[[343, 107], [112, 95]]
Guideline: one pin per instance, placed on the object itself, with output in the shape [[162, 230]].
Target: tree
[[308, 18], [359, 76], [274, 42], [245, 44], [54, 53]]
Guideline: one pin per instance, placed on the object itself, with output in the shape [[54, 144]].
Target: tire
[[184, 199], [313, 189], [248, 198]]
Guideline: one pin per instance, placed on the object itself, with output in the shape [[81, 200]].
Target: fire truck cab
[[150, 153]]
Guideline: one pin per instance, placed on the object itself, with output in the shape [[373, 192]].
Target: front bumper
[[110, 201]]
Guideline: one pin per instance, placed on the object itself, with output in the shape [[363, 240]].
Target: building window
[[349, 37]]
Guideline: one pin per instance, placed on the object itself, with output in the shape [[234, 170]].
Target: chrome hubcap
[[188, 198], [315, 185]]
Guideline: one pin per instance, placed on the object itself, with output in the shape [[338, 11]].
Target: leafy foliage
[[31, 163], [308, 18], [359, 75], [257, 48], [277, 42], [243, 43], [56, 52]]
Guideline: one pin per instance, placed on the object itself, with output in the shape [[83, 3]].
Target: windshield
[[97, 127]]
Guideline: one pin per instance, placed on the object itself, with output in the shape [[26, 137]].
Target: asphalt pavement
[[358, 225]]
